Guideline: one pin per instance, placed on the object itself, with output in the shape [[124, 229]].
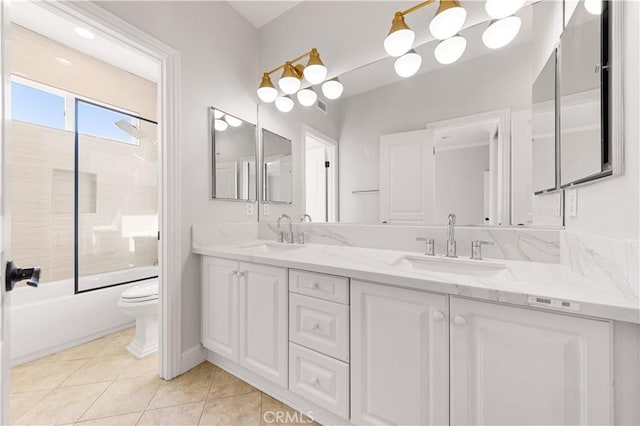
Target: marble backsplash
[[530, 244], [223, 233], [613, 263]]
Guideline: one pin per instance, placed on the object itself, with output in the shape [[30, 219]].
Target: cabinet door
[[263, 321], [520, 366], [220, 306], [399, 356]]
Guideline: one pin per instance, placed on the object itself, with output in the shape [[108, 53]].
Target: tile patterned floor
[[100, 383]]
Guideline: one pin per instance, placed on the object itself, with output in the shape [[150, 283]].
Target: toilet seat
[[141, 293]]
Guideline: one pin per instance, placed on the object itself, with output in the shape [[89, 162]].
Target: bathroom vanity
[[371, 336]]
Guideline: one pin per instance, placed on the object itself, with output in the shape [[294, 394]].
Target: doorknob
[[13, 275]]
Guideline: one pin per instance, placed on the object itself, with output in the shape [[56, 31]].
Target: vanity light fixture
[[332, 89], [307, 96], [449, 19], [594, 7], [408, 64], [501, 32], [220, 125], [498, 9], [450, 50], [217, 114], [315, 72], [284, 103], [233, 121], [400, 37]]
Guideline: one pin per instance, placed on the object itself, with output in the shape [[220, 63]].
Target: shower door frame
[[169, 155]]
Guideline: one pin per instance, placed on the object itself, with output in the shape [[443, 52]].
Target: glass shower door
[[116, 197]]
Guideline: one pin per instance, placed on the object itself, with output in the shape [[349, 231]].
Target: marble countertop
[[523, 280]]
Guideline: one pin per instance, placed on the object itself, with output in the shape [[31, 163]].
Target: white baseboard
[[192, 357]]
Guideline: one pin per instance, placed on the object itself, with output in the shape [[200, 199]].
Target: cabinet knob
[[241, 274], [314, 285], [459, 320], [234, 272], [315, 326], [438, 316]]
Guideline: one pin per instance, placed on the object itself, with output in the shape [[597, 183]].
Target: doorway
[[321, 175]]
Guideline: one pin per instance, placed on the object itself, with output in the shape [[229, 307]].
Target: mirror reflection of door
[[320, 182]]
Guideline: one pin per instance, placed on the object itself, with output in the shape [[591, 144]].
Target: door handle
[[13, 275]]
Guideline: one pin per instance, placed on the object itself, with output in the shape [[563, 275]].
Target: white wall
[[610, 207], [500, 80], [218, 53]]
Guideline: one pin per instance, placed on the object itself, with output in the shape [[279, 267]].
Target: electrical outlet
[[571, 202], [250, 209], [265, 210]]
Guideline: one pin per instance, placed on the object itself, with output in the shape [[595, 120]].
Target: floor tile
[[42, 374], [21, 402], [99, 370], [121, 420], [187, 414], [63, 405], [193, 386], [275, 412], [147, 366], [83, 351], [124, 396], [225, 384], [233, 410]]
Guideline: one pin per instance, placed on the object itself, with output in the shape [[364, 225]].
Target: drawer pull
[[314, 285], [315, 326], [315, 381], [438, 316], [233, 273], [459, 320]]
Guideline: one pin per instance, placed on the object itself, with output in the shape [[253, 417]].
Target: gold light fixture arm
[[293, 61], [416, 7]]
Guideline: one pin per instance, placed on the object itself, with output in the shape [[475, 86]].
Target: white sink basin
[[457, 266], [270, 247]]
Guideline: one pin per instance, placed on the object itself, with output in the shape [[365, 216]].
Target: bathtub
[[51, 318]]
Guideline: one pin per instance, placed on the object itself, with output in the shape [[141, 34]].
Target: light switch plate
[[265, 210], [250, 209], [571, 202]]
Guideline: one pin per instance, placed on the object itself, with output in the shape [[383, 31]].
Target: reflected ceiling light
[[400, 37], [408, 64], [217, 114], [267, 91], [501, 32], [64, 61], [290, 80], [332, 89], [594, 7], [450, 50], [315, 72], [449, 19], [307, 96], [284, 103], [220, 125], [498, 9], [84, 33], [233, 121]]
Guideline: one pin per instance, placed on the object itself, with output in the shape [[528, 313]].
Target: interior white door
[[399, 356], [220, 306], [520, 366], [407, 177], [263, 321], [227, 179]]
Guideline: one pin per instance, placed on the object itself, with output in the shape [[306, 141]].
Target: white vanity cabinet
[[245, 315], [514, 365], [399, 356]]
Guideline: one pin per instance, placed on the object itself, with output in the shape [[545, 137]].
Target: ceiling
[[259, 13]]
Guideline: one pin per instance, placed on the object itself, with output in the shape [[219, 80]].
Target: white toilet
[[141, 302]]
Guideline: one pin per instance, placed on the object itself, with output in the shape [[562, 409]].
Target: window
[[36, 106]]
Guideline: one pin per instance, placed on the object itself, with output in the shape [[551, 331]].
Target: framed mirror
[[277, 166], [543, 128], [233, 157], [585, 149]]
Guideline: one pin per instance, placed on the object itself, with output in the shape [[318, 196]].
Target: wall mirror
[[277, 162], [585, 151], [452, 138], [233, 157]]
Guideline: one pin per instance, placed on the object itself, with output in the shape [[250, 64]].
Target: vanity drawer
[[320, 379], [327, 287], [320, 325]]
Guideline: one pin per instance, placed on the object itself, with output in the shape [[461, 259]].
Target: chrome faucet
[[282, 236], [305, 218], [451, 241]]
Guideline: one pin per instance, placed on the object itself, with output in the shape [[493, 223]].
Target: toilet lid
[[142, 292]]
